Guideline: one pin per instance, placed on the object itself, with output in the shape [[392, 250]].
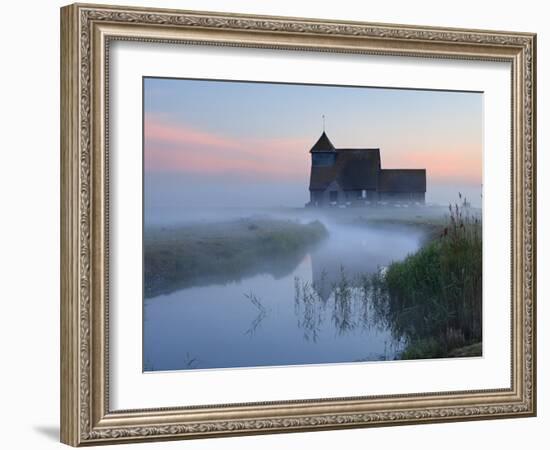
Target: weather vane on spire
[[323, 123]]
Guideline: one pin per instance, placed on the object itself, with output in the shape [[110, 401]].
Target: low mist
[[172, 199]]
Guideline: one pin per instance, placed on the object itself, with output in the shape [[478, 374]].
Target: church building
[[354, 177]]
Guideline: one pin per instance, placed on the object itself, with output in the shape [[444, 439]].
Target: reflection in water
[[309, 308], [262, 313], [340, 277], [350, 301], [190, 362], [322, 311]]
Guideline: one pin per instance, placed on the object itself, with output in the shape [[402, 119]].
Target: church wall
[[402, 197], [361, 198]]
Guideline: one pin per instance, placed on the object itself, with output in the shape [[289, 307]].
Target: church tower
[[323, 153]]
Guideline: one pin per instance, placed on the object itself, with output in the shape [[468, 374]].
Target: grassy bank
[[221, 252], [432, 299]]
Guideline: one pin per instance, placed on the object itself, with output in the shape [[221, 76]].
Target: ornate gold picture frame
[[87, 32]]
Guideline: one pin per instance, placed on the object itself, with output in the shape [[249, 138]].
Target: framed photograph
[[276, 224]]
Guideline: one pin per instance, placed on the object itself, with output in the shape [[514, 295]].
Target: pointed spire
[[323, 144]]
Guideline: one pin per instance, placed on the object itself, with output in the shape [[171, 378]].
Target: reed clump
[[433, 298]]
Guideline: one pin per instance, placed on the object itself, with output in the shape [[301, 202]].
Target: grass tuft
[[433, 297]]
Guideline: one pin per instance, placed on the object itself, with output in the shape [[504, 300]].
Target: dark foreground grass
[[206, 253], [432, 299]]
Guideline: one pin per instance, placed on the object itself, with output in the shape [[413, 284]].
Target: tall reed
[[434, 297]]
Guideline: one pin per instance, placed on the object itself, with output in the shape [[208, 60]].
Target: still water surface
[[293, 316]]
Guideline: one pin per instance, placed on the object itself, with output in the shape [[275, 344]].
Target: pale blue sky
[[263, 131]]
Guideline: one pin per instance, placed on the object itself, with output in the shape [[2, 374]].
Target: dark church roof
[[323, 145], [402, 180], [359, 169], [353, 169]]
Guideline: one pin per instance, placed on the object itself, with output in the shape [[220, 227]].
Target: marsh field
[[299, 286]]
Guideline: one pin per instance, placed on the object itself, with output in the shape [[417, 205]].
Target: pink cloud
[[180, 148], [161, 132], [464, 164], [198, 163]]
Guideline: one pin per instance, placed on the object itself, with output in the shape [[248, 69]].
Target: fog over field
[[180, 197]]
